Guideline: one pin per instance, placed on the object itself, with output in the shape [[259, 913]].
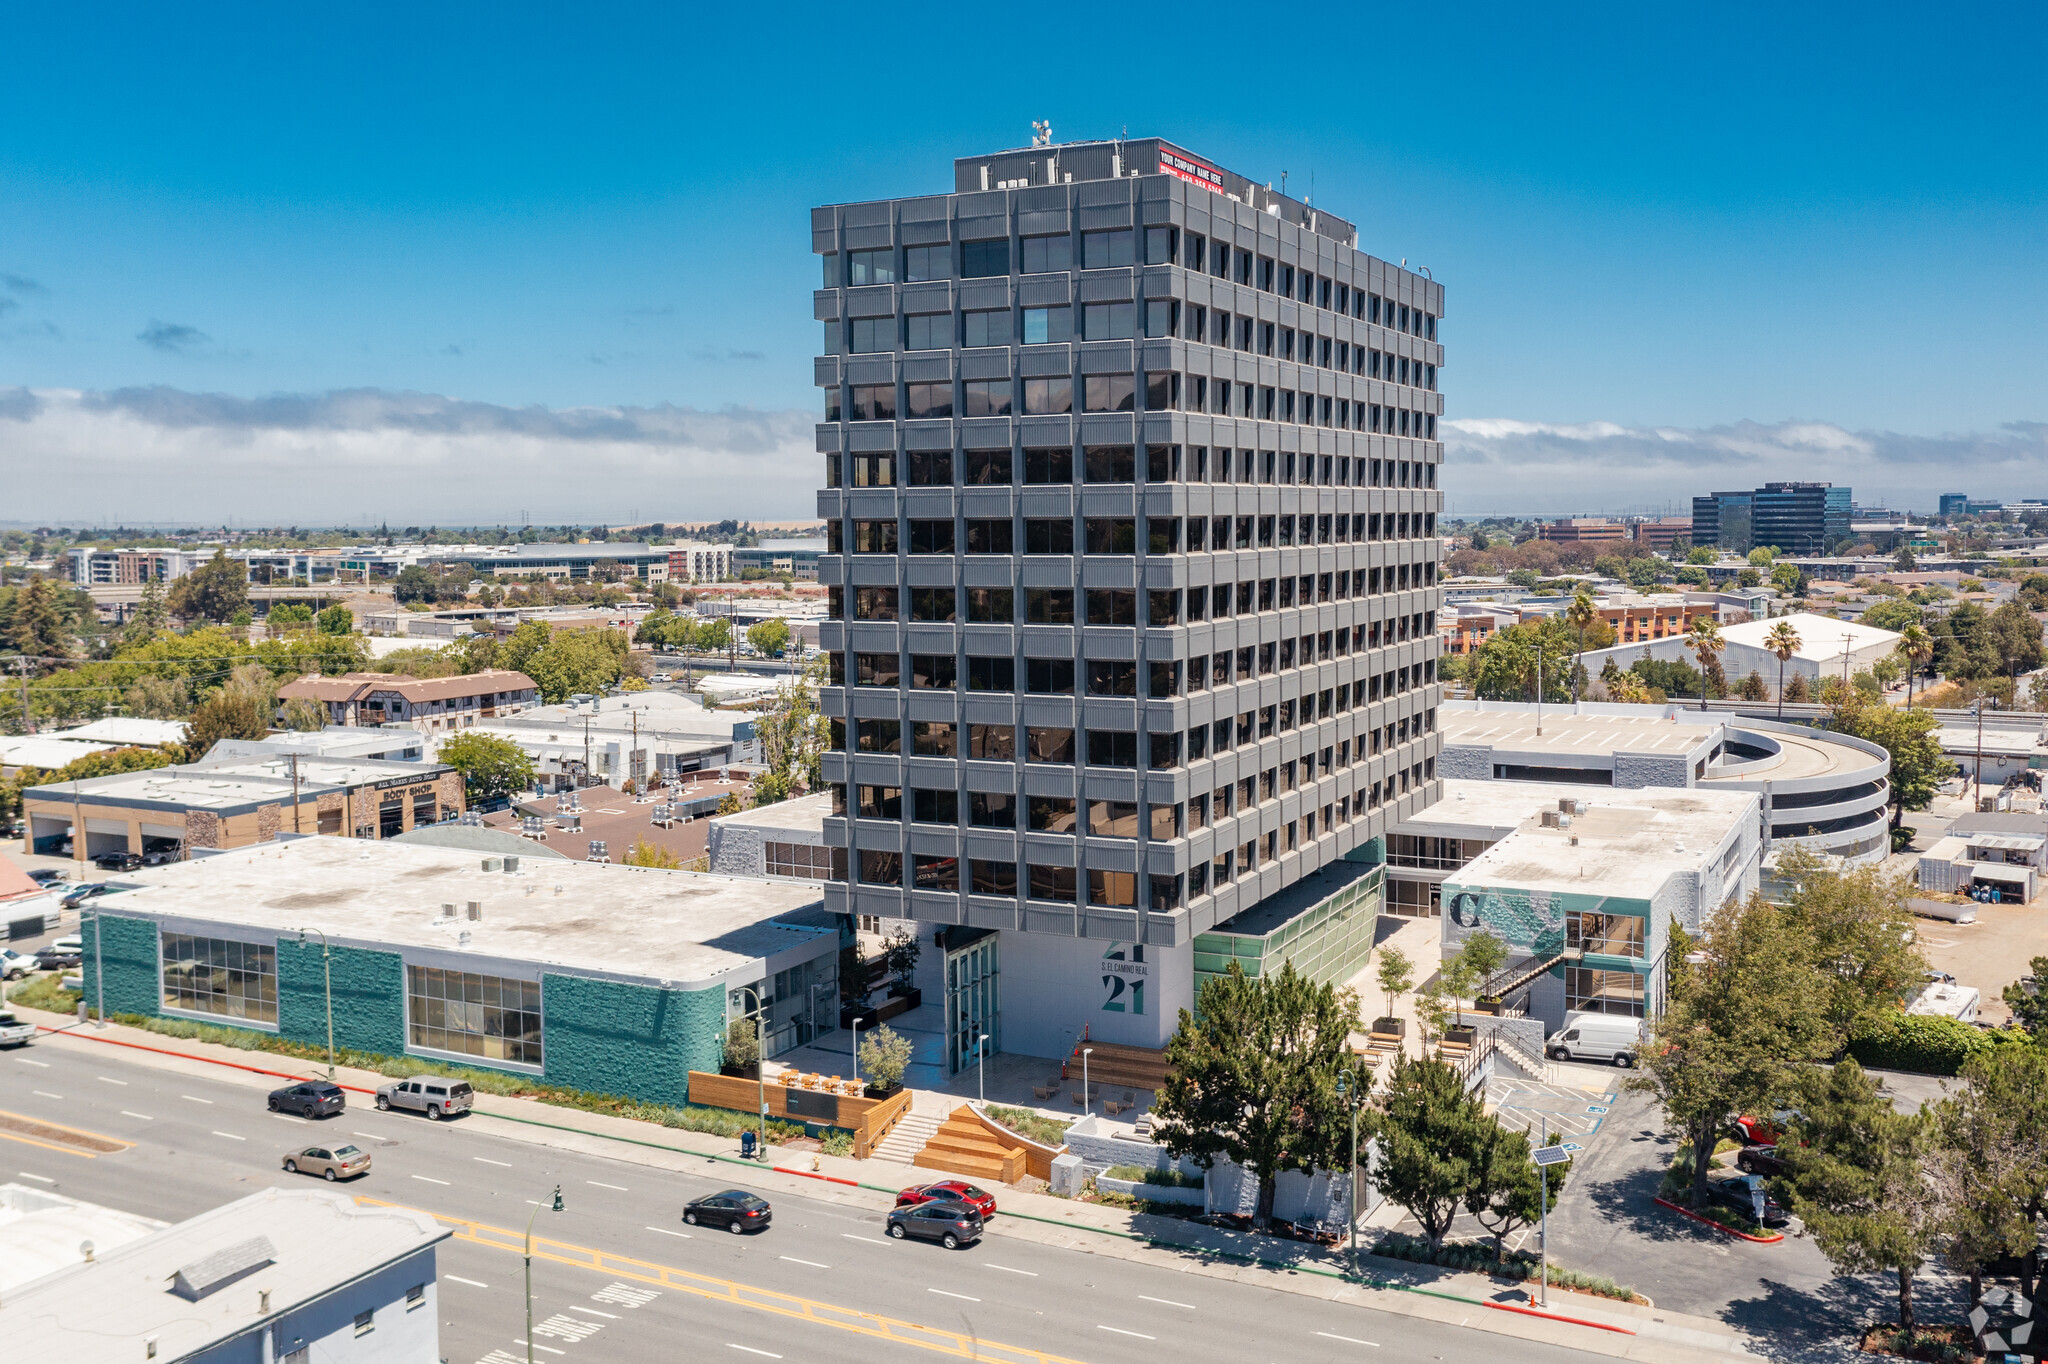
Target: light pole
[[980, 1065], [327, 971], [856, 1055], [99, 971], [555, 1207], [1353, 1101], [1086, 1052], [757, 1013]]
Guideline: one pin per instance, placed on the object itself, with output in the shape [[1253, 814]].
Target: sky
[[468, 263]]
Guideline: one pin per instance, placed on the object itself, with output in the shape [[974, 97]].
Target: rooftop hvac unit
[[494, 864], [512, 864], [476, 910], [1571, 805], [447, 909], [1550, 818], [462, 938]]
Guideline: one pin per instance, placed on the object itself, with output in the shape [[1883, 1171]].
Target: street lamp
[[99, 971], [555, 1207], [980, 1064], [1086, 1052], [1354, 1099], [856, 1054], [758, 1014], [326, 970]]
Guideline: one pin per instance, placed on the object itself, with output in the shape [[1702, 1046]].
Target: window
[[1108, 393], [1045, 254], [880, 802], [992, 878], [1162, 607], [928, 331], [992, 743], [931, 537], [494, 1017], [873, 402], [928, 400], [1049, 676], [1052, 814], [881, 736], [935, 738], [1049, 605], [1110, 463], [988, 537], [1165, 680], [992, 810], [874, 537], [1050, 537], [1044, 397], [991, 674], [1106, 250], [1048, 326], [1160, 243], [1048, 466], [929, 468], [1110, 535], [991, 605], [880, 868], [1111, 606], [1112, 748], [986, 398], [1109, 321], [1110, 678], [1162, 391], [1048, 745], [873, 334], [874, 603], [1112, 819], [804, 861], [833, 413], [415, 1297], [1611, 992], [935, 807], [985, 467], [1119, 888], [927, 262], [936, 873], [876, 670], [871, 267], [985, 327], [831, 260], [220, 976], [366, 1322], [1052, 883], [934, 672], [979, 260], [1606, 935]]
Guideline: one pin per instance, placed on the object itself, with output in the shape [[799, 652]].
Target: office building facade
[[1723, 521], [1792, 518], [1131, 496]]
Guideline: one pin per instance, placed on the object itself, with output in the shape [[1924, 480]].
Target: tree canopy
[[214, 591], [492, 768]]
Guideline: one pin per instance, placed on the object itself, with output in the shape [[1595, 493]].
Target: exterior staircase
[[962, 1146], [907, 1138]]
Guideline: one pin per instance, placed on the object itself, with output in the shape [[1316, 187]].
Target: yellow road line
[[935, 1338], [119, 1144], [50, 1146]]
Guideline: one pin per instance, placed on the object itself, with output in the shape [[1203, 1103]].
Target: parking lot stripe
[[1169, 1302], [229, 1135], [40, 1179], [25, 1061], [110, 1080], [614, 1187], [752, 1351], [1118, 1330], [873, 1241], [488, 1161], [459, 1279], [666, 1232], [812, 1263], [1007, 1270], [144, 1116], [944, 1294], [46, 1094], [195, 1098], [429, 1179], [1349, 1340]]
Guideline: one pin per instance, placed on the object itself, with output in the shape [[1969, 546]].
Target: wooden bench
[[1044, 1092]]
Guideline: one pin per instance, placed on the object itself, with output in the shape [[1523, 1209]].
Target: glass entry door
[[973, 1000]]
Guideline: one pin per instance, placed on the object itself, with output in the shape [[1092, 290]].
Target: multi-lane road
[[622, 1278]]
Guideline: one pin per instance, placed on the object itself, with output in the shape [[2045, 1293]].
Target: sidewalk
[[1595, 1325]]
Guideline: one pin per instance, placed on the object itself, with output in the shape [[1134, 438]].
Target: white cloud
[[165, 455], [1499, 465]]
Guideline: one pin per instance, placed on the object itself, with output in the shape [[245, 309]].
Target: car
[[90, 891], [60, 955], [1751, 1130], [952, 1191], [1747, 1195], [14, 1032], [951, 1224], [118, 861], [309, 1099], [734, 1209], [14, 965], [1597, 1037], [46, 876], [428, 1094], [329, 1162], [1759, 1160], [159, 857]]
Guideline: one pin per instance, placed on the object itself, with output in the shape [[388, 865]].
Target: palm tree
[[1579, 615], [1918, 647], [1783, 640], [1704, 638]]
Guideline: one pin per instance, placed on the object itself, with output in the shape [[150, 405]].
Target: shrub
[[1032, 1126], [1478, 1258], [46, 992], [1168, 1179], [1927, 1044], [838, 1143]]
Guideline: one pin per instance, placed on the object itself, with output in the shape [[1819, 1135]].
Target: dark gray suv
[[952, 1225]]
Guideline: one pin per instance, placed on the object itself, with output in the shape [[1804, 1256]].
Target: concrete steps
[[962, 1146], [907, 1138]]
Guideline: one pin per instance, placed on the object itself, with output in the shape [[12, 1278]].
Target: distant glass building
[[1722, 521], [1792, 518]]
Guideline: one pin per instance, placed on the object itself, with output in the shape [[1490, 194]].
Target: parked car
[[435, 1097], [952, 1191], [1759, 1160], [118, 861], [91, 891], [309, 1099], [14, 1032], [1748, 1196], [44, 876], [61, 955], [330, 1162], [14, 965], [159, 857], [735, 1209], [1597, 1037], [951, 1224], [1751, 1130]]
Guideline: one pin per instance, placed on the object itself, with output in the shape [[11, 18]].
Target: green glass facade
[[1329, 941]]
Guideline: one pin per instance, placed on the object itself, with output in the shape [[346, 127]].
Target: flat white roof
[[1820, 637], [1629, 842], [127, 729], [41, 1231], [686, 930], [1564, 732], [806, 813], [305, 1242]]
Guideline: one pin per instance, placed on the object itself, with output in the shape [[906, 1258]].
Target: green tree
[[793, 736], [336, 620], [1509, 1192], [1854, 1170], [1762, 557], [577, 662], [1253, 1077], [1581, 614], [213, 591], [711, 635], [303, 715], [1700, 554], [770, 637], [1736, 1024], [1505, 668], [1754, 688], [2015, 638], [1990, 1162], [1788, 579], [1396, 975], [151, 614], [1645, 571], [1911, 737], [289, 615], [646, 854], [1904, 561], [1750, 577], [742, 1042], [1478, 960], [492, 768], [1858, 933], [157, 698], [225, 715], [38, 628], [1893, 613], [1703, 637], [1435, 1144], [884, 1056], [412, 585], [2030, 1007]]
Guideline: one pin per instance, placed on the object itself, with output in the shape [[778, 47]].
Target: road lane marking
[[486, 1160], [1349, 1340], [195, 1098], [229, 1135], [25, 1061], [130, 1113], [614, 1187], [286, 1117], [40, 1179], [812, 1263], [429, 1179], [666, 1232], [548, 1348], [766, 1354], [44, 1093], [869, 1239], [457, 1278], [1169, 1302], [110, 1080], [944, 1294], [1007, 1270], [1118, 1330], [592, 1311], [372, 1136]]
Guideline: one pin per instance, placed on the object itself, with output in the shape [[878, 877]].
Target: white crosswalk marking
[[559, 1327], [501, 1357], [625, 1295]]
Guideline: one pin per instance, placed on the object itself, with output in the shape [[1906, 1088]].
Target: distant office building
[[1792, 518], [1581, 529], [694, 563], [1660, 533], [1131, 493], [436, 703], [798, 558], [92, 567], [646, 563], [1962, 504]]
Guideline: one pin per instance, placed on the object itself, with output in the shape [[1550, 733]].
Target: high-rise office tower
[[1131, 475]]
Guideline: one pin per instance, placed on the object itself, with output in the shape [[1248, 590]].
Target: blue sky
[[1665, 236]]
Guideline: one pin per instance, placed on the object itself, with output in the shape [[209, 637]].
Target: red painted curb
[[1554, 1316], [812, 1174], [1769, 1240], [186, 1056]]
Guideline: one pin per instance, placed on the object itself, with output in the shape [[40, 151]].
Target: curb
[[1767, 1240], [188, 1056]]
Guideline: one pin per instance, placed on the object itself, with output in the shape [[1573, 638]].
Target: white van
[[1596, 1037]]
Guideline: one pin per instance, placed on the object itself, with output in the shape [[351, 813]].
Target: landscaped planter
[[874, 1091], [741, 1072], [1486, 1006], [900, 1004], [1397, 1026], [1463, 1034], [866, 1016]]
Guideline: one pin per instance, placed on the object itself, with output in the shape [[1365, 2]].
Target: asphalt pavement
[[618, 1276]]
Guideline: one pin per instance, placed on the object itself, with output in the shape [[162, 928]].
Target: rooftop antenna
[[1041, 132], [1283, 182]]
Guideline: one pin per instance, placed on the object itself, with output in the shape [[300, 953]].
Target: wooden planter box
[[897, 1004], [741, 1072], [1397, 1026], [1486, 1006], [867, 1017], [1464, 1034]]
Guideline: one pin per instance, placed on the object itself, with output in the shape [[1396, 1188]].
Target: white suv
[[435, 1097]]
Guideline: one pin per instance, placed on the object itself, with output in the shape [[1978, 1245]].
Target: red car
[[1755, 1131], [952, 1190]]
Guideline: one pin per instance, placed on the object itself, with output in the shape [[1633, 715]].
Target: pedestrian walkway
[[1552, 1110]]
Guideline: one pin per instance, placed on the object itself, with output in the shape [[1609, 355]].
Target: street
[[620, 1277]]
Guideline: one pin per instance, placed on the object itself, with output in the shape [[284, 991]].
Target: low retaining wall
[[1038, 1157], [1156, 1193]]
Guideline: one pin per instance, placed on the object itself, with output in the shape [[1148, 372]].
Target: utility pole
[[28, 719], [295, 803]]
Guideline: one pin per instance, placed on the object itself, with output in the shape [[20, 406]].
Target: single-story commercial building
[[638, 736], [2005, 854], [233, 802], [784, 839], [611, 979], [1825, 646]]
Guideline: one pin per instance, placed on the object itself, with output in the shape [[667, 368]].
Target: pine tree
[[1435, 1143], [1510, 1191], [38, 629]]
